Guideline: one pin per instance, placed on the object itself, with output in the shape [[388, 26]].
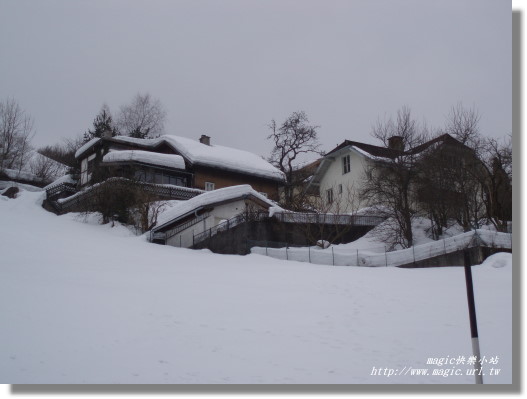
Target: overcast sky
[[227, 68]]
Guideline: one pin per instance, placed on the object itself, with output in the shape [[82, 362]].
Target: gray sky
[[226, 68]]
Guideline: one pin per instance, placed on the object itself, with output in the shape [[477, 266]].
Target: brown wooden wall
[[223, 179]]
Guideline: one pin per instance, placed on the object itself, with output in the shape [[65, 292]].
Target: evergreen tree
[[103, 122]]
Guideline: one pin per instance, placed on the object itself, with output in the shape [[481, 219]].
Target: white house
[[188, 219], [342, 171]]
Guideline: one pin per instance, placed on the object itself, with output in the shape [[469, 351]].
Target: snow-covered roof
[[87, 146], [369, 154], [223, 157], [208, 198], [202, 154], [152, 158]]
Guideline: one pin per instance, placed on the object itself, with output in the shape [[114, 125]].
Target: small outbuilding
[[208, 213]]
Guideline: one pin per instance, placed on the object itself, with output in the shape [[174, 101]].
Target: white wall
[[85, 175], [217, 215], [351, 182], [84, 171]]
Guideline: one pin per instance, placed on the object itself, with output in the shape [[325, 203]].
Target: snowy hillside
[[85, 303]]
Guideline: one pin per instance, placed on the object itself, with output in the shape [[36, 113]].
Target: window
[[178, 181], [209, 186], [340, 188], [161, 177], [329, 196], [91, 163], [346, 164]]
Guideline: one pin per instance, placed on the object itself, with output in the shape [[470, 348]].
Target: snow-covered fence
[[369, 258]]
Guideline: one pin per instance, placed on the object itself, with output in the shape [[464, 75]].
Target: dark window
[[346, 164], [329, 196]]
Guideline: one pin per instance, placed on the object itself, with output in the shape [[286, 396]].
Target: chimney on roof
[[204, 139], [396, 143], [107, 134]]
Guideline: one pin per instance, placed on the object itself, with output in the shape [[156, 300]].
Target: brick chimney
[[204, 139], [396, 143]]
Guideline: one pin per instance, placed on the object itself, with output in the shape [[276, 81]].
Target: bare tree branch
[[143, 117], [16, 133]]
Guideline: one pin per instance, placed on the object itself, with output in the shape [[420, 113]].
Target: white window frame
[[89, 167], [209, 186]]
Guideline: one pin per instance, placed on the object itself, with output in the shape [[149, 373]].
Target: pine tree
[[103, 122]]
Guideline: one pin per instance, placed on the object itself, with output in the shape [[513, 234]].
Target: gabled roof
[[377, 153], [369, 149], [210, 198], [196, 153], [443, 139]]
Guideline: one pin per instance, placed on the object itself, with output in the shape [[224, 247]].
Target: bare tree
[[293, 138], [436, 193], [497, 181], [391, 188], [462, 124], [329, 221], [45, 168], [143, 117], [467, 176], [63, 152], [16, 132]]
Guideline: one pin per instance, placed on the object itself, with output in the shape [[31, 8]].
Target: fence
[[370, 258]]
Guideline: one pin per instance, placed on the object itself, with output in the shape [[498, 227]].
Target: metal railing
[[186, 225], [328, 218], [224, 226], [289, 217]]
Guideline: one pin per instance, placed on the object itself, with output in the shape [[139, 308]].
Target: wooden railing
[[59, 189], [83, 197]]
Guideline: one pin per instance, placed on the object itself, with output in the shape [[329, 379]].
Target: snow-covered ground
[[85, 303]]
